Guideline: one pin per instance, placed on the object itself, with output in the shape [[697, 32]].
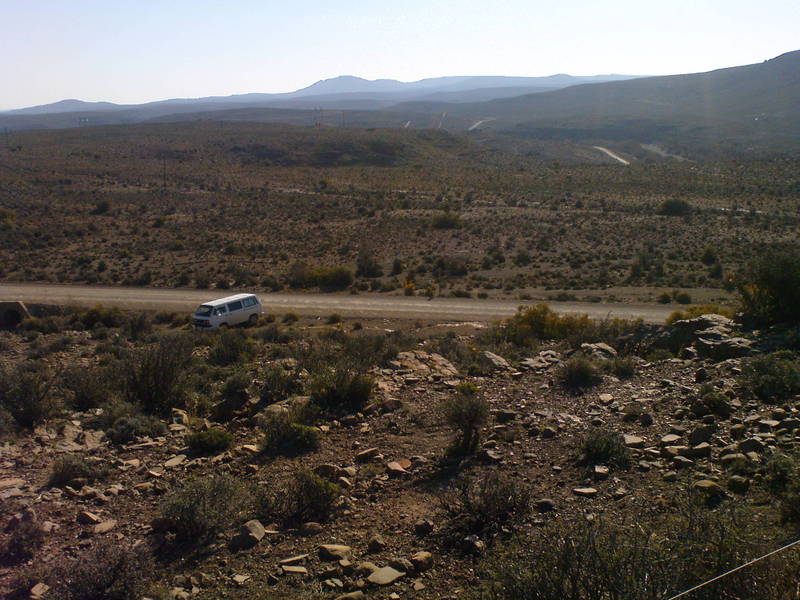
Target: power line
[[726, 573]]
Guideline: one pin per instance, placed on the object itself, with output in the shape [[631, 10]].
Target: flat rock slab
[[331, 552], [385, 576], [105, 526], [12, 482], [586, 492], [633, 441], [175, 461], [293, 559], [294, 570]]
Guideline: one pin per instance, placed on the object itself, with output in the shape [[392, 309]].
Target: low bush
[[234, 395], [446, 220], [643, 560], [533, 324], [711, 402], [307, 497], [26, 393], [769, 287], [71, 467], [156, 377], [231, 347], [483, 505], [279, 384], [771, 378], [283, 435], [339, 388], [205, 506], [112, 570], [88, 387], [579, 372], [674, 207], [211, 441], [701, 309], [622, 367], [466, 412], [98, 316], [23, 542], [781, 476], [129, 428], [603, 447]]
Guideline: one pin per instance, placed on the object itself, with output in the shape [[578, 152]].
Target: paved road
[[363, 306]]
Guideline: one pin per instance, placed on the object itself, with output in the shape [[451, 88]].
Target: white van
[[228, 311]]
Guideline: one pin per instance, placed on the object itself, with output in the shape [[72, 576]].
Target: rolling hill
[[750, 106]]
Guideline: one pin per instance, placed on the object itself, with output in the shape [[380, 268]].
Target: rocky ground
[[385, 541]]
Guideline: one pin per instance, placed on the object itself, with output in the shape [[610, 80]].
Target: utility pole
[[164, 170], [8, 144]]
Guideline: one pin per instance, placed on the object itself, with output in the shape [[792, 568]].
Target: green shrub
[[695, 311], [579, 372], [283, 435], [658, 355], [674, 207], [211, 441], [650, 559], [603, 447], [201, 508], [308, 498], [683, 298], [279, 384], [484, 504], [234, 395], [446, 220], [769, 287], [126, 429], [87, 387], [339, 388], [231, 347], [781, 476], [71, 467], [539, 323], [155, 377], [622, 367], [111, 570], [466, 412], [98, 316], [711, 402], [771, 378], [26, 393]]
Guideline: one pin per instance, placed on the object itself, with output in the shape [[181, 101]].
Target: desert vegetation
[[544, 456], [256, 206]]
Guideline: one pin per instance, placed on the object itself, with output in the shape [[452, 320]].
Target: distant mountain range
[[745, 109], [331, 93]]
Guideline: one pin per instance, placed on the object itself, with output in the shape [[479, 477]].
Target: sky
[[132, 51]]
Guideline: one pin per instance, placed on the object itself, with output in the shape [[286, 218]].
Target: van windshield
[[203, 310]]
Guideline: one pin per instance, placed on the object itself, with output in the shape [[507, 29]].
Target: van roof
[[226, 299]]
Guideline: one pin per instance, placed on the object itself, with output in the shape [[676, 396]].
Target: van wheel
[[252, 320], [223, 326]]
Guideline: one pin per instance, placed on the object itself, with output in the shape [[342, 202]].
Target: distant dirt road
[[362, 306], [613, 155]]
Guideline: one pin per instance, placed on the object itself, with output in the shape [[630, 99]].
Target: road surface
[[347, 305], [613, 155], [481, 122]]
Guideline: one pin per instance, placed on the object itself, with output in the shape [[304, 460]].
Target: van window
[[220, 310], [235, 306], [247, 302]]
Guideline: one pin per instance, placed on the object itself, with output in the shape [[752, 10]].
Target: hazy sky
[[132, 51]]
